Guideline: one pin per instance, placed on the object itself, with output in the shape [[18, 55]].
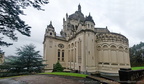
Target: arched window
[[58, 55], [62, 55], [88, 25], [121, 48], [91, 26], [113, 47], [50, 33], [105, 46]]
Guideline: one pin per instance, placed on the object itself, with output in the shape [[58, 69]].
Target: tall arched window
[[62, 55], [79, 52], [58, 55], [88, 25]]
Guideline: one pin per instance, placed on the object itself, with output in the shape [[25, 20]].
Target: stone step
[[102, 80]]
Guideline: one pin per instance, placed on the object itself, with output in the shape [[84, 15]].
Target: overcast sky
[[121, 16]]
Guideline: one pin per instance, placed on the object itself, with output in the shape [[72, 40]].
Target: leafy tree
[[10, 22], [58, 67], [137, 55], [11, 64]]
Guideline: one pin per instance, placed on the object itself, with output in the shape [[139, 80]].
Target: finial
[[51, 22], [66, 15], [63, 19], [89, 14], [79, 7]]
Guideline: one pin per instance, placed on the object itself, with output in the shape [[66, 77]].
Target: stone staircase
[[102, 80]]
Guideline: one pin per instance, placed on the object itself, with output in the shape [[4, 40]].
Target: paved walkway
[[103, 80], [10, 81], [47, 79]]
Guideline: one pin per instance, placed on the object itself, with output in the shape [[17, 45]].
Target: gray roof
[[50, 25], [77, 16], [89, 18], [101, 30]]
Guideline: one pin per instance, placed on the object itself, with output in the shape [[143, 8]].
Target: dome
[[78, 15]]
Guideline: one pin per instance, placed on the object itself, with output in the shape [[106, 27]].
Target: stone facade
[[85, 48]]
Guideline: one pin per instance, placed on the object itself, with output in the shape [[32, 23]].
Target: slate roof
[[89, 18], [50, 25]]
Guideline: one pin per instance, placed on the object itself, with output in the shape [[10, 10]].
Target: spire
[[50, 25], [89, 14], [79, 7], [89, 18], [66, 15], [50, 22]]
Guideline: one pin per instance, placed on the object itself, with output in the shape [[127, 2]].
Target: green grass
[[66, 74], [137, 68]]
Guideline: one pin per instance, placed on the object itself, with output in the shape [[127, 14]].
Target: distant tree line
[[137, 54]]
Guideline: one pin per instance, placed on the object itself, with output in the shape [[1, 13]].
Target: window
[[69, 56], [88, 25], [91, 26], [58, 55], [50, 33], [79, 52], [72, 55], [62, 55]]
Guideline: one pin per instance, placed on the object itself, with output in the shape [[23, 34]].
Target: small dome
[[78, 15]]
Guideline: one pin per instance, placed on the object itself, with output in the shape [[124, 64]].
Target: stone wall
[[113, 52], [130, 76]]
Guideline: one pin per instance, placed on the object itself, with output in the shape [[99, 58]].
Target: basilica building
[[83, 47]]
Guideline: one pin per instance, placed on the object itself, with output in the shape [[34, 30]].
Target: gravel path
[[46, 79]]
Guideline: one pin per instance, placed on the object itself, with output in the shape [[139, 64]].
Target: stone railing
[[128, 76]]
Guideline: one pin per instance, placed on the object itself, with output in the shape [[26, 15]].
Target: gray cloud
[[121, 16]]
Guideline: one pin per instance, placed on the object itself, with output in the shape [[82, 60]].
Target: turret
[[89, 22], [50, 31], [66, 16]]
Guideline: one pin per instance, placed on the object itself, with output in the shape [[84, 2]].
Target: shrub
[[58, 67]]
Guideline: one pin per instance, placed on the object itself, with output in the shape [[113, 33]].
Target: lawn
[[137, 68], [66, 74]]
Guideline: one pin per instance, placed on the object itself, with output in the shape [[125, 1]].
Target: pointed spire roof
[[50, 25], [79, 8], [89, 18]]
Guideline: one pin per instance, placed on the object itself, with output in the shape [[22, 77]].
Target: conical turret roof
[[89, 18], [50, 25]]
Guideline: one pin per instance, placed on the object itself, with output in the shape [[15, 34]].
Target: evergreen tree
[[58, 67], [30, 59], [10, 22], [137, 55], [27, 60]]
